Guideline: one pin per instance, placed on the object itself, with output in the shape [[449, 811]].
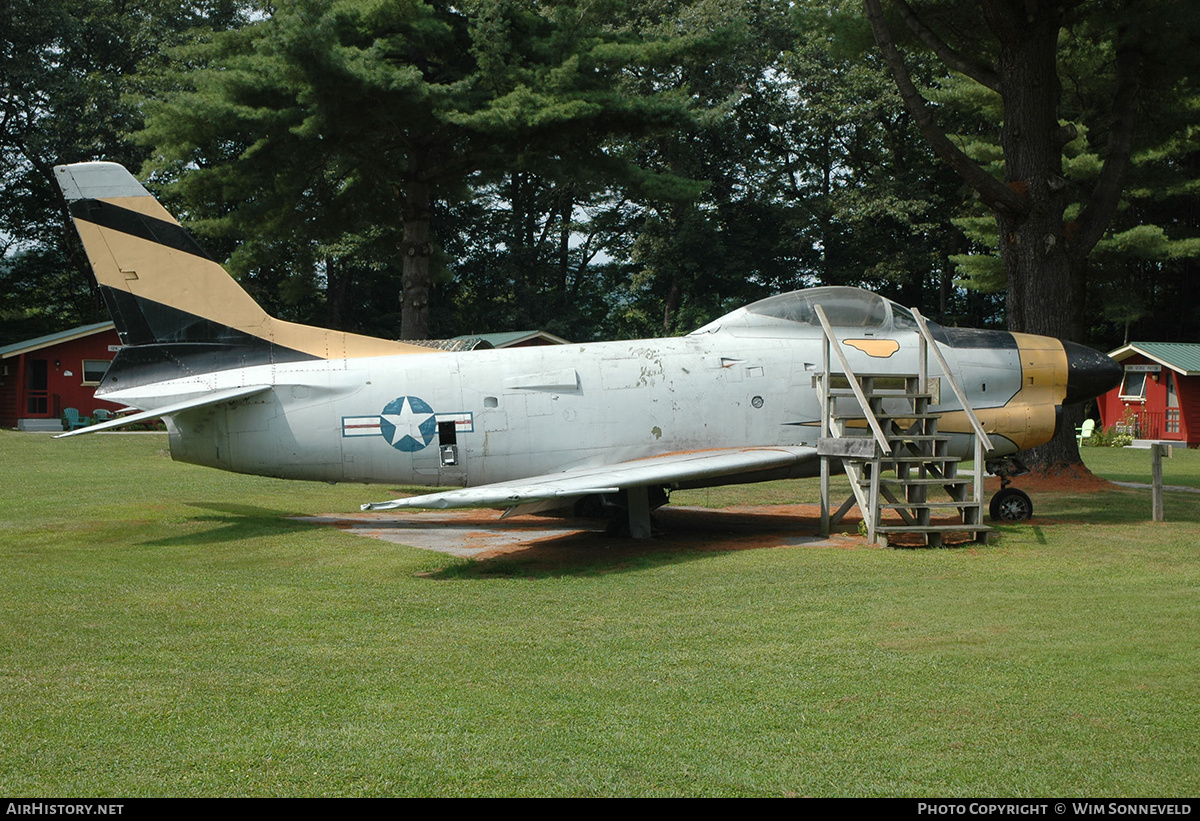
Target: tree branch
[[995, 194], [1095, 218], [979, 72]]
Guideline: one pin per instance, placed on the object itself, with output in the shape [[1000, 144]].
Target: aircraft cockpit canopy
[[844, 307]]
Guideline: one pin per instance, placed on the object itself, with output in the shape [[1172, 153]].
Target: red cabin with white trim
[[1159, 396], [40, 378]]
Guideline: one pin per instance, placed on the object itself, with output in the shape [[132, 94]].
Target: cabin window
[[94, 370], [1134, 386], [1172, 404]]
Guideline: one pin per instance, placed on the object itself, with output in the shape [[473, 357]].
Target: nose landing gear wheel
[[1012, 505]]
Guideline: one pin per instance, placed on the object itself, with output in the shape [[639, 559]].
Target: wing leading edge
[[667, 469]]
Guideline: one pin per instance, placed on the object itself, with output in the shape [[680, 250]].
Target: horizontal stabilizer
[[664, 470], [200, 401]]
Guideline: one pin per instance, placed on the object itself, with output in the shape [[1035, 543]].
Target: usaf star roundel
[[408, 423]]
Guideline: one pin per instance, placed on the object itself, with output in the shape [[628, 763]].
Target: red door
[[37, 384]]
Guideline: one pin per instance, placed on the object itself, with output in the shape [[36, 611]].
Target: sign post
[[1157, 452]]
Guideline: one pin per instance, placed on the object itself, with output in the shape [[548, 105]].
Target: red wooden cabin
[[40, 378], [1159, 398]]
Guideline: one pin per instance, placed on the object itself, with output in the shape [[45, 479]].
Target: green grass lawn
[[166, 630], [1133, 465]]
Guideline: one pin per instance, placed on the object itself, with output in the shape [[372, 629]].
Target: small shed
[[518, 339], [41, 377], [1159, 396]]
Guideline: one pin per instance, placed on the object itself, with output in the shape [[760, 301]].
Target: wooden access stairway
[[883, 432]]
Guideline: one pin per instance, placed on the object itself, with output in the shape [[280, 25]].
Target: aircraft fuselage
[[738, 400], [528, 411]]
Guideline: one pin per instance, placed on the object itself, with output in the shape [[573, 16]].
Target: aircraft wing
[[664, 470], [199, 401]]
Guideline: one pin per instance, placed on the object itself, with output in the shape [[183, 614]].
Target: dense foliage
[[596, 169], [71, 85], [1074, 87]]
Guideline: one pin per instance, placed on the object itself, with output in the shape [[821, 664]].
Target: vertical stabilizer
[[162, 289]]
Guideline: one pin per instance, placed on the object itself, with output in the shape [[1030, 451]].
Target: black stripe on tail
[[107, 215]]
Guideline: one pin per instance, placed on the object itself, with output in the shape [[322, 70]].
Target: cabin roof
[[18, 348], [506, 339], [1182, 357]]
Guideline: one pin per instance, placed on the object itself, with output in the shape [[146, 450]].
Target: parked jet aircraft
[[518, 429]]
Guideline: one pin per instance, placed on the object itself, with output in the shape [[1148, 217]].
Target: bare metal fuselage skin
[[530, 411]]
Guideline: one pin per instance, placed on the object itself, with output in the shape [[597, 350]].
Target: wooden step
[[951, 528], [858, 417], [894, 377], [892, 481], [901, 405], [898, 438], [934, 538], [881, 393], [941, 505]]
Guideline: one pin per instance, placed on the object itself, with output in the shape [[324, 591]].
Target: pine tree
[[337, 118], [1046, 228]]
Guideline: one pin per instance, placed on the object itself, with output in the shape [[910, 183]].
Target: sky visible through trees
[[608, 169]]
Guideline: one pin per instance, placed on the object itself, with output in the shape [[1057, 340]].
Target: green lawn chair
[[101, 415], [72, 419], [1085, 430]]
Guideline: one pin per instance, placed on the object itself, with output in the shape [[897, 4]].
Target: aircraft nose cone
[[1089, 373]]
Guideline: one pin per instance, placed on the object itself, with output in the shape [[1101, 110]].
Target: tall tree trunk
[[337, 292], [416, 248], [1032, 245], [1044, 280], [1045, 261]]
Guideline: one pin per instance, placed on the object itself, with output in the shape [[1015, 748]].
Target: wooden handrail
[[846, 369], [954, 386]]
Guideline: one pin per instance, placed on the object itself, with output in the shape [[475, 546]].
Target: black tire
[[1011, 505]]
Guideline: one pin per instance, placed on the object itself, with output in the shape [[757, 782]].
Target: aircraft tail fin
[[162, 289]]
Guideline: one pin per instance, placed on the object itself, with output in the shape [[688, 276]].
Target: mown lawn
[[166, 630], [1133, 465]]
